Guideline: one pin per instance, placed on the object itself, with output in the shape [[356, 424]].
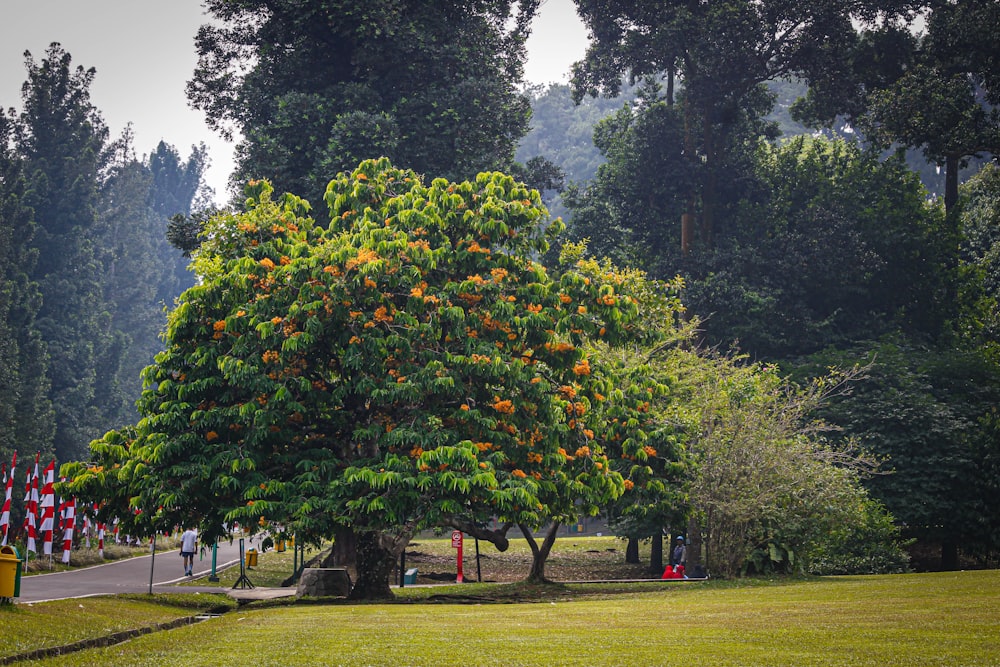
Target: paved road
[[131, 575]]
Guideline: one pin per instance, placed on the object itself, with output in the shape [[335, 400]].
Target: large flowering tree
[[408, 365]]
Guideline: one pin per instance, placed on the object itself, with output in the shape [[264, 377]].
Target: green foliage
[[406, 364], [25, 410], [870, 544], [837, 245], [315, 87], [767, 487], [930, 412], [62, 140]]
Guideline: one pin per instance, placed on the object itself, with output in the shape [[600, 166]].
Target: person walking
[[189, 546], [679, 556]]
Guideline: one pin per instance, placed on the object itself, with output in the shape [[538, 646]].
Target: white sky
[[143, 51]]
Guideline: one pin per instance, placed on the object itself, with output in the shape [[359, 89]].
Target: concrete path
[[132, 575]]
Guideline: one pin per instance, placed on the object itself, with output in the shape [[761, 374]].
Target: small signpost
[[456, 543]]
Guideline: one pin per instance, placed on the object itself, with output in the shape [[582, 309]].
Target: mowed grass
[[948, 619]]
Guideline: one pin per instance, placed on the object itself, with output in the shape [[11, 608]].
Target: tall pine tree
[[62, 139], [25, 411]]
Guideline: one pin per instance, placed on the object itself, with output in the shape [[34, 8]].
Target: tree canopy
[[407, 364], [315, 87]]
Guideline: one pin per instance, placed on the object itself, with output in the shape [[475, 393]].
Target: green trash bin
[[410, 576], [10, 573]]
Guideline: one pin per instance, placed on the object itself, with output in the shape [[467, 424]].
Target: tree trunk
[[632, 551], [950, 184], [687, 218], [709, 193], [345, 548], [949, 556], [694, 547], [539, 553], [656, 553], [376, 560]]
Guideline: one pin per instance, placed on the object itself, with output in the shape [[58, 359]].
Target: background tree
[[25, 409], [929, 413], [177, 188], [832, 245], [62, 139], [936, 90], [769, 491], [722, 52], [316, 87]]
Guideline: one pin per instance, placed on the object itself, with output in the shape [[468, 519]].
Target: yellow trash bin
[[252, 558], [10, 566], [280, 546]]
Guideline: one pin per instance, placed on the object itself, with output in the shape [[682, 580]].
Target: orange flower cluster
[[517, 472], [559, 347], [565, 298], [649, 451], [582, 367], [503, 406], [534, 457], [382, 314], [583, 451], [483, 446], [629, 485], [534, 308], [270, 356], [219, 325], [498, 274], [211, 435], [416, 451], [422, 244], [267, 264], [607, 300], [332, 270], [364, 256]]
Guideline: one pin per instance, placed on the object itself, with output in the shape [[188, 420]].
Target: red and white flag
[[48, 507], [31, 509], [69, 521], [100, 539], [8, 484]]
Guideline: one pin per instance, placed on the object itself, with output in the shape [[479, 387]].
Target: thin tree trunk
[[950, 184], [632, 551], [656, 553], [949, 556], [687, 218], [539, 552], [709, 194]]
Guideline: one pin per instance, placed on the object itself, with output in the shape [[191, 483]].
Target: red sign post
[[456, 543]]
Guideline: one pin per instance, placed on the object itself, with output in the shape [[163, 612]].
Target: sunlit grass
[[927, 619], [27, 627]]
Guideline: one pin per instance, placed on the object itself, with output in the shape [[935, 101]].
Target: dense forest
[[809, 185]]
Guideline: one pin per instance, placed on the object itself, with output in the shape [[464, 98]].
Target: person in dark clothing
[[679, 555]]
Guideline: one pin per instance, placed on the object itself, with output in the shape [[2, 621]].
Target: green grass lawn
[[948, 619]]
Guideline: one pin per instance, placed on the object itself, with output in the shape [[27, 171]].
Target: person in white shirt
[[189, 545]]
